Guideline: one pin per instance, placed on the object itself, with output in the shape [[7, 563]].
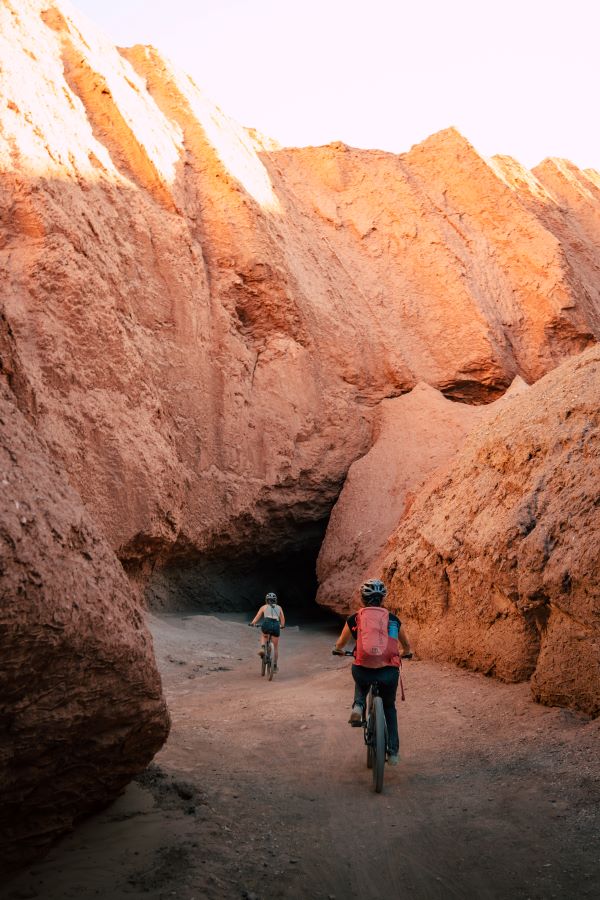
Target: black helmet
[[271, 597], [373, 592]]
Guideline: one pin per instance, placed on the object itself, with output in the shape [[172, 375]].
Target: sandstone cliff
[[204, 323], [496, 565], [81, 708]]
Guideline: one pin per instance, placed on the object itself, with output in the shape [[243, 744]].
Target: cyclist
[[384, 669], [273, 620]]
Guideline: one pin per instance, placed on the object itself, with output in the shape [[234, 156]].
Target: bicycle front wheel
[[378, 745]]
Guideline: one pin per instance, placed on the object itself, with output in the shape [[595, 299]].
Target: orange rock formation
[[201, 326], [81, 708], [414, 435], [495, 567], [205, 323]]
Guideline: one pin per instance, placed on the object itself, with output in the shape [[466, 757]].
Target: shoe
[[275, 668], [356, 716], [393, 759], [261, 652]]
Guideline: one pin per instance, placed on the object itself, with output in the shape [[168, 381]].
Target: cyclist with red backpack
[[379, 635]]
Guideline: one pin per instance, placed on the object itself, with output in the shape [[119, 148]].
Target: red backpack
[[374, 647]]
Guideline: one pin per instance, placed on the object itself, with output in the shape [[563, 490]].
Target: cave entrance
[[237, 581]]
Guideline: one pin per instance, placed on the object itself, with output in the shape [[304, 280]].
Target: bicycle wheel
[[378, 745], [271, 668], [369, 731]]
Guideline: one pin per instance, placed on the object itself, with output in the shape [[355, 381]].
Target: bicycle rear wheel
[[378, 745], [369, 731]]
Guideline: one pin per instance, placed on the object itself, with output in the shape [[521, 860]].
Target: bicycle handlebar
[[336, 652]]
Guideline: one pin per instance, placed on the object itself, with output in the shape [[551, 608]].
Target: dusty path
[[495, 797]]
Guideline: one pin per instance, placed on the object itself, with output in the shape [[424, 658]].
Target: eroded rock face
[[496, 565], [414, 435], [204, 323], [81, 707]]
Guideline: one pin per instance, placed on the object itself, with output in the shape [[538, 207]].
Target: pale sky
[[520, 77]]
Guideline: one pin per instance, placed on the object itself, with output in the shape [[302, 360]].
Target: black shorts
[[271, 626]]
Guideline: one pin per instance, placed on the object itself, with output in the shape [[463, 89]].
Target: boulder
[[81, 705]]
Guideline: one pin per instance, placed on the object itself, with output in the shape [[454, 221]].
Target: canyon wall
[[205, 324], [201, 332], [81, 707], [496, 565], [413, 436]]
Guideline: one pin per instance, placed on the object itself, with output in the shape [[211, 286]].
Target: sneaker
[[275, 668], [393, 759], [261, 652], [356, 716]]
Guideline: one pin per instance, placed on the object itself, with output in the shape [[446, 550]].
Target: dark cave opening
[[237, 581]]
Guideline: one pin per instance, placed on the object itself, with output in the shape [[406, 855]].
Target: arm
[[403, 640], [258, 615], [344, 637], [282, 618]]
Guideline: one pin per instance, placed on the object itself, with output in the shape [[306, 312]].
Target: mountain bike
[[375, 730], [376, 736], [267, 665]]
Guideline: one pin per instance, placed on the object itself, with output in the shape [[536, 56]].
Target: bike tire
[[263, 664], [369, 731], [271, 669], [378, 745]]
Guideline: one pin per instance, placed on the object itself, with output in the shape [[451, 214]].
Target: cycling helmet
[[271, 597], [373, 592]]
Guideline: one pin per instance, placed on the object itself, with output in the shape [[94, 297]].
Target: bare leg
[[263, 641]]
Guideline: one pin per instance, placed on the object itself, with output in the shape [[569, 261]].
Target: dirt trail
[[262, 790]]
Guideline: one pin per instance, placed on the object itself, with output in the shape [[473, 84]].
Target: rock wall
[[414, 435], [81, 707], [496, 566], [205, 323]]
